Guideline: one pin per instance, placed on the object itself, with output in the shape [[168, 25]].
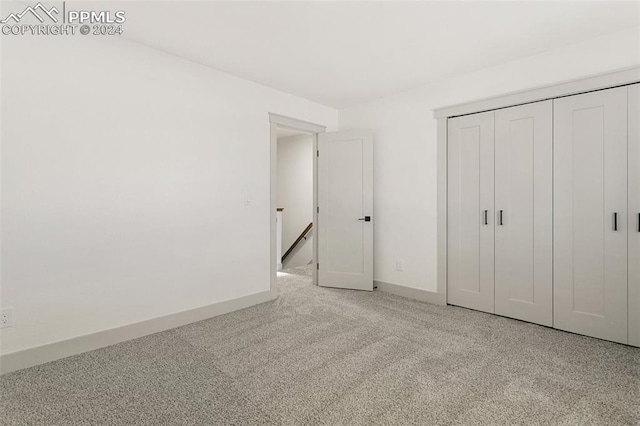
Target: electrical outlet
[[6, 317], [400, 265]]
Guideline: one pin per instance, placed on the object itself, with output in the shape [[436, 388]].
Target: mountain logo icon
[[38, 11]]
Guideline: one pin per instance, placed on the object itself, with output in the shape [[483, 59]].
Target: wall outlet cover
[[6, 317]]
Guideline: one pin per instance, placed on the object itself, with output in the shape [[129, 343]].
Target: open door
[[345, 210]]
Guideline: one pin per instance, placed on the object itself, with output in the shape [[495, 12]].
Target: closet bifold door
[[470, 222], [590, 208], [524, 206], [634, 215]]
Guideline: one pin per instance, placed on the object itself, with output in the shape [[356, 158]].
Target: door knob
[[366, 218]]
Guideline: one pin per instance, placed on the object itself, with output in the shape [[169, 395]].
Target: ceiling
[[343, 53]]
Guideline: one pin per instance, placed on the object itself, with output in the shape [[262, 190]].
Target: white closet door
[[524, 227], [634, 215], [471, 196], [590, 207]]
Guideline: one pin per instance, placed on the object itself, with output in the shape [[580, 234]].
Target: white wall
[[295, 195], [124, 176], [405, 209]]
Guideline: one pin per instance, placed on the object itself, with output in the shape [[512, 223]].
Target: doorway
[[297, 137], [294, 217], [342, 241]]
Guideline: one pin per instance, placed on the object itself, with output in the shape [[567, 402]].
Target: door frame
[[608, 80], [275, 121]]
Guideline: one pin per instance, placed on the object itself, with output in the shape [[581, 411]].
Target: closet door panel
[[524, 197], [634, 215], [590, 194], [470, 193]]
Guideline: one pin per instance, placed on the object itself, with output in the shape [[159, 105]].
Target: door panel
[[634, 215], [590, 181], [345, 195], [470, 194], [524, 195]]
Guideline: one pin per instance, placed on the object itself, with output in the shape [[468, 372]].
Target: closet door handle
[[486, 217], [615, 221], [638, 222], [500, 218]]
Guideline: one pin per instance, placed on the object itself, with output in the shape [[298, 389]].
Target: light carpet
[[336, 357]]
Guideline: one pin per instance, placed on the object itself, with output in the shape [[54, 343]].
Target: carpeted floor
[[336, 357]]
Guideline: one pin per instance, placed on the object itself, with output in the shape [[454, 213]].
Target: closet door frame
[[621, 77]]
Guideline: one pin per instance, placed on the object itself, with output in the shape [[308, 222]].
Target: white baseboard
[[412, 293], [52, 351]]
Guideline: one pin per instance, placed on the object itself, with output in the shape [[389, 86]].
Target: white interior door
[[524, 197], [634, 215], [590, 205], [345, 217], [470, 223]]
